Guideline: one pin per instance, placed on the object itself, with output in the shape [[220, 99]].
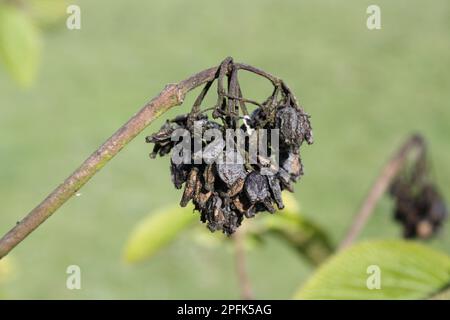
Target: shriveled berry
[[256, 187]]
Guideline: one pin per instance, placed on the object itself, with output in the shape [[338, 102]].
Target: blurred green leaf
[[408, 270], [47, 13], [156, 231], [201, 236], [20, 44], [306, 237], [443, 295], [6, 269]]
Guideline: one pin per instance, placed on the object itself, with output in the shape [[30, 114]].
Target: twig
[[389, 172], [244, 100], [172, 95], [241, 268], [275, 81]]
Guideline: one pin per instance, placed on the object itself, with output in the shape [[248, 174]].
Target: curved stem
[[172, 95], [275, 81], [389, 172]]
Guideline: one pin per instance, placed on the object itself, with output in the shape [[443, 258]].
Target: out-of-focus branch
[[389, 172], [241, 267]]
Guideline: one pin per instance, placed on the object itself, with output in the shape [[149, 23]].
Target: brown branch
[[172, 95], [389, 172], [243, 279]]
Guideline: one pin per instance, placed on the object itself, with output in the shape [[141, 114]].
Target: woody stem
[[172, 95]]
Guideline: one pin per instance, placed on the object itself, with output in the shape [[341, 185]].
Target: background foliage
[[366, 90]]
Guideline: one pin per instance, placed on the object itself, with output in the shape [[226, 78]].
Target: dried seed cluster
[[419, 207], [225, 193]]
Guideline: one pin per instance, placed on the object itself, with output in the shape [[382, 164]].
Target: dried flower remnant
[[419, 206], [224, 192]]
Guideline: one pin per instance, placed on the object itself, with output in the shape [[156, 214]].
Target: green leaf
[[305, 236], [20, 44], [156, 231], [48, 13], [408, 270]]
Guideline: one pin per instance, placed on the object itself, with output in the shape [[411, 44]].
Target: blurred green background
[[366, 91]]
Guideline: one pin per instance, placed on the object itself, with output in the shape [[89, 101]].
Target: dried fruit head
[[225, 191], [419, 206]]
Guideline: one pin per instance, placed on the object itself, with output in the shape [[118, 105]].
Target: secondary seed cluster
[[225, 193], [419, 207]]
